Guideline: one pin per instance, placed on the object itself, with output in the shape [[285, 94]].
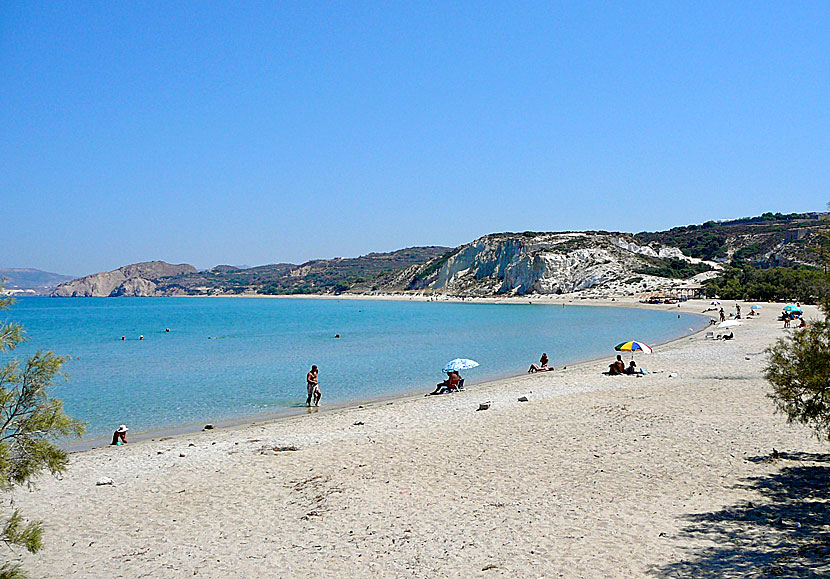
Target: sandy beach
[[593, 476]]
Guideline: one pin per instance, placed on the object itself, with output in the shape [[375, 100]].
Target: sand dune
[[594, 476]]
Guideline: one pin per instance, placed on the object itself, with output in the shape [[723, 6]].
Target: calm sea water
[[225, 359]]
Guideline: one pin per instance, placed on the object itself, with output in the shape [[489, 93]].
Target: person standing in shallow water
[[312, 387]]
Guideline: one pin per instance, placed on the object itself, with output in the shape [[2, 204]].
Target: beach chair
[[458, 388], [709, 336]]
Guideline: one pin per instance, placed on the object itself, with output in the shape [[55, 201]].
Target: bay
[[235, 358]]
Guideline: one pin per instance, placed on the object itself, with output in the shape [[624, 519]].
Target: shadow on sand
[[786, 535]]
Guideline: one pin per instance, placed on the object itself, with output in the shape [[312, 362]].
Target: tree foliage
[[803, 284], [29, 421], [799, 371], [672, 268]]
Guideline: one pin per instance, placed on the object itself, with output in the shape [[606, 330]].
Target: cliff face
[[139, 279], [547, 263]]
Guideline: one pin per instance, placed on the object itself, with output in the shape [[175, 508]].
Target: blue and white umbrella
[[757, 307], [459, 364]]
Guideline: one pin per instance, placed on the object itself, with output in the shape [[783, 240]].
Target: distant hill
[[39, 282], [591, 263], [769, 240], [139, 279], [364, 273], [321, 276]]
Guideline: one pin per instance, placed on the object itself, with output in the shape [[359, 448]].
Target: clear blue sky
[[251, 133]]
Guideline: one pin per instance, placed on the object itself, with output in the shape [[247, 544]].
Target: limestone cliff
[[549, 263], [139, 280]]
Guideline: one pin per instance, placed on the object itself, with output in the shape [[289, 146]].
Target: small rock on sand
[[523, 399], [104, 481], [484, 406], [208, 427], [277, 449]]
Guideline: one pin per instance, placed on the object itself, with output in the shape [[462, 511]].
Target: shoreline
[[242, 421], [613, 476]]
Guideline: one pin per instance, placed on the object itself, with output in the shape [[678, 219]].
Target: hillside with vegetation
[[338, 275], [769, 240], [321, 276], [770, 257], [774, 256]]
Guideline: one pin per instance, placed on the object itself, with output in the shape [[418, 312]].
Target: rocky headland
[[136, 280], [587, 263]]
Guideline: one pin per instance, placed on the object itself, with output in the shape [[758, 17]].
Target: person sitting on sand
[[448, 385], [632, 368], [119, 437], [801, 323], [312, 387], [618, 367], [729, 336], [542, 366]]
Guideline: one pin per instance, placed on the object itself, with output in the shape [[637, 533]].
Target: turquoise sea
[[228, 359]]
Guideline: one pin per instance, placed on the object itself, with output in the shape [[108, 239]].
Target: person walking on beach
[[722, 315], [313, 387]]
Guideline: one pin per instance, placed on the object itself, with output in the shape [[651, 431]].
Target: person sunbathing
[[618, 367], [448, 385], [542, 366], [632, 368]]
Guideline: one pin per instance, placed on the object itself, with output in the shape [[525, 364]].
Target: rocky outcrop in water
[[138, 280]]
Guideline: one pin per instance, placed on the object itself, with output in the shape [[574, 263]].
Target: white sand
[[595, 476]]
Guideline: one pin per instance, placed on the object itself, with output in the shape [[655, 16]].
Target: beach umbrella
[[715, 303], [757, 307], [459, 364], [633, 346], [729, 324], [792, 308]]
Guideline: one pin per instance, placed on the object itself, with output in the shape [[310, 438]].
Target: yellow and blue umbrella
[[633, 346]]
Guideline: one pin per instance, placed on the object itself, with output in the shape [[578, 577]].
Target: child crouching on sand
[[119, 437]]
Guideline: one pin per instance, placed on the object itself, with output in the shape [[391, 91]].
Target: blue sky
[[250, 133]]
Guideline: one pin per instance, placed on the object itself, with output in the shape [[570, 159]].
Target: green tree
[[29, 421], [799, 371]]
